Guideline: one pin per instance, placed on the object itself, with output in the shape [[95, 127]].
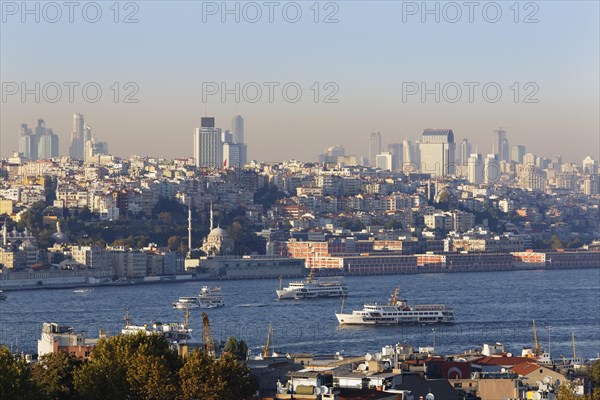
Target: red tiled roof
[[526, 368], [503, 361]]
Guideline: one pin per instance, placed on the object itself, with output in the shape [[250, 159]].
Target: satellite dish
[[429, 396], [537, 396], [317, 390], [378, 356], [324, 390], [558, 382], [368, 357], [547, 380]]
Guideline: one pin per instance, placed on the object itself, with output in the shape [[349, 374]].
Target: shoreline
[[323, 274]]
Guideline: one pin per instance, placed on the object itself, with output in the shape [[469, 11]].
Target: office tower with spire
[[208, 144], [500, 142], [437, 150], [505, 154], [76, 151], [374, 147]]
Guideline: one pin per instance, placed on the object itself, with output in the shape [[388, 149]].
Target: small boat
[[82, 290], [2, 295], [397, 311]]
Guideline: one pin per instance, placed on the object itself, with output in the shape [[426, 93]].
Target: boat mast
[[342, 308], [280, 281], [189, 254], [310, 275], [187, 320], [574, 349], [126, 317]]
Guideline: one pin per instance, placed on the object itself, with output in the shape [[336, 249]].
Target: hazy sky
[[378, 54]]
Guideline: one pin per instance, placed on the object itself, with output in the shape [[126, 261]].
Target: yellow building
[[6, 207]]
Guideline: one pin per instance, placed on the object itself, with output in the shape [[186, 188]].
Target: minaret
[[211, 217], [189, 254], [4, 234]]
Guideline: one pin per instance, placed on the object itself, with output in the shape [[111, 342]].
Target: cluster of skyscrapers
[[84, 145], [41, 144], [437, 154], [215, 148]]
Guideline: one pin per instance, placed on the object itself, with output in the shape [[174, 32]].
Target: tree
[[150, 378], [53, 375], [238, 349], [203, 377], [121, 366], [174, 243], [195, 377], [15, 377], [244, 238], [566, 391], [393, 224], [595, 374]]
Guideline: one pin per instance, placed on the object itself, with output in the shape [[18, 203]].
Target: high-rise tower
[[374, 147], [77, 138], [208, 146], [437, 151], [237, 128]]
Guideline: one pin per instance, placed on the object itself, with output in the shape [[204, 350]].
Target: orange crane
[[394, 298], [207, 341], [538, 349], [269, 339]]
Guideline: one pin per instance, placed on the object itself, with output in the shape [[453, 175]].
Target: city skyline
[[230, 141], [558, 65]]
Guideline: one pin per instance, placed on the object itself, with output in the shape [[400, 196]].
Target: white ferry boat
[[173, 332], [209, 297], [310, 288], [398, 312], [186, 303]]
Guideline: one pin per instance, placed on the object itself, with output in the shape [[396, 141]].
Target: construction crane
[[394, 298], [269, 339], [207, 341], [538, 349]]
